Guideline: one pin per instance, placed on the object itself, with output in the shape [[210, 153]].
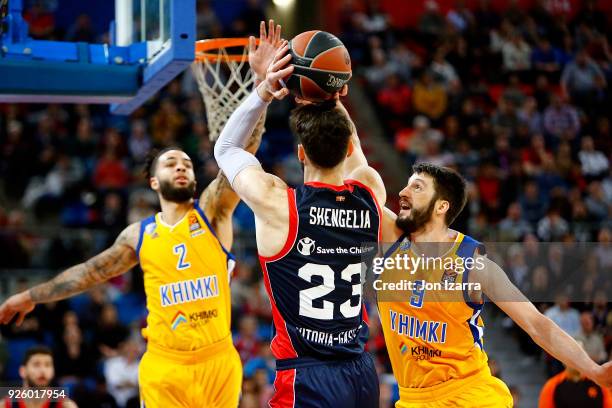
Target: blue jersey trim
[[201, 212], [393, 247], [143, 226], [467, 248]]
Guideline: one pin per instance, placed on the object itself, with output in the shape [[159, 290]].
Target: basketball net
[[224, 78]]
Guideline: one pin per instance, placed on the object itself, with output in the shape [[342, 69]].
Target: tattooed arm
[[218, 201], [114, 261]]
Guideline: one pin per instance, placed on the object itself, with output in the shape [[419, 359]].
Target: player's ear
[[22, 372], [301, 153], [350, 149], [442, 206], [154, 183]]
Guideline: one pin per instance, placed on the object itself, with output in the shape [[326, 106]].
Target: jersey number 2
[[181, 251], [326, 312]]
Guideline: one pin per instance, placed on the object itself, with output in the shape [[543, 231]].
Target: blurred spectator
[[109, 333], [460, 17], [429, 97], [552, 227], [207, 23], [415, 140], [41, 21], [561, 119], [516, 54], [513, 227], [139, 142], [535, 156], [394, 98], [73, 356], [596, 202], [581, 78], [546, 59], [442, 70], [566, 317], [594, 163], [82, 30], [110, 172], [380, 70], [431, 23], [529, 115], [592, 341], [533, 202], [247, 343], [121, 373]]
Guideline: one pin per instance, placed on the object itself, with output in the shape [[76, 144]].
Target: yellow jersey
[[186, 279], [433, 332]]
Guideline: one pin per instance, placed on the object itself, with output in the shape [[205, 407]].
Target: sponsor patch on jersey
[[194, 226], [306, 246], [424, 353], [179, 318], [150, 230], [403, 348], [449, 276]]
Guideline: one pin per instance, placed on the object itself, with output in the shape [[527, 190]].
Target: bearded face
[[175, 177], [411, 219], [177, 193]]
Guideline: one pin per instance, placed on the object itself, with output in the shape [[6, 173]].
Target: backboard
[[150, 43]]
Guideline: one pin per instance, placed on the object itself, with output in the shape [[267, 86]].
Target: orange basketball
[[322, 65]]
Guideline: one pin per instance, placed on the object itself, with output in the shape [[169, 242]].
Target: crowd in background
[[517, 100]]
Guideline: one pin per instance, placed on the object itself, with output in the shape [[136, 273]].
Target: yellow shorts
[[479, 391], [210, 377]]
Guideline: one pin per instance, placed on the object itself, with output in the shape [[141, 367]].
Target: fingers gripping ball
[[322, 65]]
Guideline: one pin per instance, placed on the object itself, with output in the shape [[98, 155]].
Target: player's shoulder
[[368, 178], [131, 234]]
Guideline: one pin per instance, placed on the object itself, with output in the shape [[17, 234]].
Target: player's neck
[[433, 233], [172, 212], [326, 176]]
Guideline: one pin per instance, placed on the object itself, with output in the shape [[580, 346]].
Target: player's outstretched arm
[[114, 261], [243, 170], [218, 200], [549, 336]]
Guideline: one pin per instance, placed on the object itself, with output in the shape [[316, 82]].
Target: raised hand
[[20, 303], [261, 55], [271, 87]]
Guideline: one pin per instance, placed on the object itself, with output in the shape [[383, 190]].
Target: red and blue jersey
[[315, 282]]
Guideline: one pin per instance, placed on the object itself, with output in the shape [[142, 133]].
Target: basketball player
[[435, 338], [190, 359], [37, 371], [309, 243]]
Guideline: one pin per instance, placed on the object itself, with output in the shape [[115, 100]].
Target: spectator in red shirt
[[110, 172], [394, 100]]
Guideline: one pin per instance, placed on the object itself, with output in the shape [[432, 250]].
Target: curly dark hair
[[448, 184]]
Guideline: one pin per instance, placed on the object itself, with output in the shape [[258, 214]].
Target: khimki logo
[[306, 246], [178, 319]]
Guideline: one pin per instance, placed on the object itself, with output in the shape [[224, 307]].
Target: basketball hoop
[[224, 77]]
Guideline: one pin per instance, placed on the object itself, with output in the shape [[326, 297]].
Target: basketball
[[322, 65]]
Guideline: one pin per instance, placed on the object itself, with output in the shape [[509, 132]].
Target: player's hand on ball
[[272, 87], [342, 92], [262, 55], [20, 303]]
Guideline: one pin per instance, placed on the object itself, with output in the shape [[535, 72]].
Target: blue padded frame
[[54, 71]]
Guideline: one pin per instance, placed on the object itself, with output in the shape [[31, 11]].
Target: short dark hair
[[36, 350], [324, 131], [448, 185], [152, 158]]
